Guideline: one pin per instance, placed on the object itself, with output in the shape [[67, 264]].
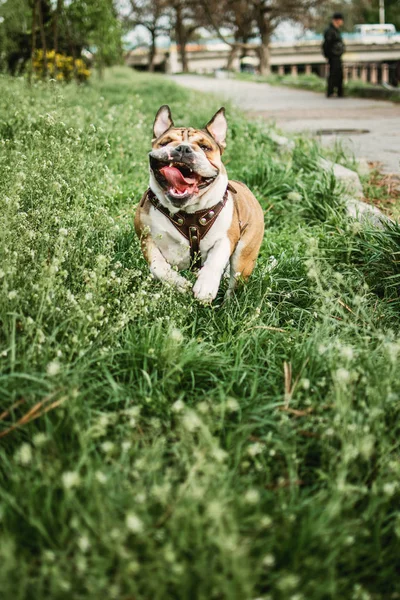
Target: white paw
[[206, 287], [182, 284]]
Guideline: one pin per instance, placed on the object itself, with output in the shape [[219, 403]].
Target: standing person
[[333, 48]]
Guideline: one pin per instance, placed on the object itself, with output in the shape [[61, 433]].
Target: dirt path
[[300, 110]]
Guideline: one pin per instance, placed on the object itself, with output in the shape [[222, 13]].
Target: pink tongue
[[177, 180]]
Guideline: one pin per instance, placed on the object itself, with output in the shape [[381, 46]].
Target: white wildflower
[[191, 421], [133, 523], [40, 439], [100, 477], [255, 449], [107, 447], [288, 582], [266, 521], [115, 533], [12, 295], [347, 352], [64, 585], [176, 335], [393, 350], [215, 510], [84, 543], [71, 479], [24, 454], [342, 376], [390, 488], [49, 556], [232, 405], [268, 560], [63, 231], [133, 567], [305, 384], [133, 411], [178, 406], [366, 446], [53, 368], [252, 496], [203, 408], [219, 455], [272, 264], [294, 196], [103, 420]]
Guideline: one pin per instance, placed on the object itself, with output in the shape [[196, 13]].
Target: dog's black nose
[[184, 149]]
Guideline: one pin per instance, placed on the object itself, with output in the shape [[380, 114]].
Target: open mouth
[[178, 179]]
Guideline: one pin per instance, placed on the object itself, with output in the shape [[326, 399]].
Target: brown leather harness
[[193, 226]]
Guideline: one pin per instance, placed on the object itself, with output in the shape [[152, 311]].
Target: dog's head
[[186, 162]]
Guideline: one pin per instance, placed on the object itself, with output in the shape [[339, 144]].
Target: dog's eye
[[205, 147], [165, 143]]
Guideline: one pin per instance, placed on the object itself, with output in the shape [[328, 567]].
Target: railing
[[374, 73]]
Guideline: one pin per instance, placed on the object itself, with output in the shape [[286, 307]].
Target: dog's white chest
[[175, 247]]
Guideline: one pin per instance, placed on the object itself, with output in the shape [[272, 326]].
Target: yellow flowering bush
[[60, 66]]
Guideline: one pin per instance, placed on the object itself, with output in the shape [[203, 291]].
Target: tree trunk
[[55, 24], [55, 31], [184, 59], [264, 54], [152, 51], [33, 45], [71, 44], [43, 38], [231, 58], [181, 38]]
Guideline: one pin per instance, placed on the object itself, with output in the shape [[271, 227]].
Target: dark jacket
[[333, 46]]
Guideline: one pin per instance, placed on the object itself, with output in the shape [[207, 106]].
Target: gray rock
[[280, 140], [349, 179], [351, 184], [363, 212], [362, 167]]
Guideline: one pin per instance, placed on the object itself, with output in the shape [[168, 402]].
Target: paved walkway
[[300, 110]]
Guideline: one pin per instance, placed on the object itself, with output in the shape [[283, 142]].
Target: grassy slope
[[318, 84], [171, 471]]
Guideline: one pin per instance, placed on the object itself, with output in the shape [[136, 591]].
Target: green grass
[[318, 84], [182, 462]]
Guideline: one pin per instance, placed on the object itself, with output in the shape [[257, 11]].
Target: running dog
[[192, 216]]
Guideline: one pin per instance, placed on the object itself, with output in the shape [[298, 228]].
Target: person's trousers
[[335, 79]]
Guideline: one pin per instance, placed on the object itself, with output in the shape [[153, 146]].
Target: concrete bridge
[[370, 62]]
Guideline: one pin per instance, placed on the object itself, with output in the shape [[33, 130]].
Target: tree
[[264, 16], [15, 34], [370, 12], [186, 17], [95, 24], [68, 27], [151, 15], [235, 16]]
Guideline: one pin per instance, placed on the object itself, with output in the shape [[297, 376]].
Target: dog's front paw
[[206, 287], [182, 284]]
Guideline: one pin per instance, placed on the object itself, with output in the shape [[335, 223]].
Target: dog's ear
[[217, 128], [162, 122]]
